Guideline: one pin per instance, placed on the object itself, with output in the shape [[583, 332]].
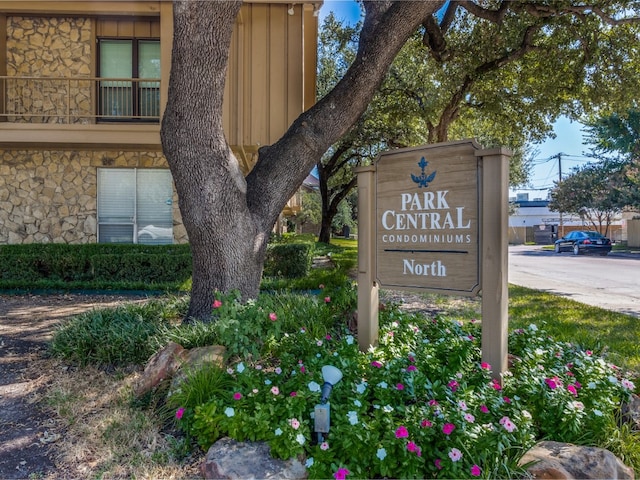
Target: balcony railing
[[81, 100]]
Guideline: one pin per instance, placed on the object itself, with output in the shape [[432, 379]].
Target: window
[[124, 95], [135, 206]]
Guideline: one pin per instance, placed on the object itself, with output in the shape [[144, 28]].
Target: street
[[611, 282]]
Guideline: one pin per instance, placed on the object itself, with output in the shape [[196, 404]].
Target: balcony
[[82, 111]]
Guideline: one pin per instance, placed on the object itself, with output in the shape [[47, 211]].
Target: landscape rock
[[162, 365], [196, 358], [232, 460], [631, 412], [565, 461]]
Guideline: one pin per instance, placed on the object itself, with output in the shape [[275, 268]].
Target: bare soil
[[27, 434]]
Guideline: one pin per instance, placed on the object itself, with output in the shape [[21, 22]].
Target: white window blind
[[135, 206]]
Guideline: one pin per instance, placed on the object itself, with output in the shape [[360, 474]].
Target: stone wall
[[46, 48], [50, 196]]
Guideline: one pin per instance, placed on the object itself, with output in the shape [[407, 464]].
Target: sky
[[569, 135]]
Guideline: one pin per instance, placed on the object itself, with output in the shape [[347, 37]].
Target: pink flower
[[293, 394], [572, 390], [506, 399], [237, 396], [328, 337], [217, 304], [411, 368], [273, 317], [496, 385], [469, 418], [402, 432], [400, 386], [426, 423], [321, 286], [275, 390], [476, 471], [453, 385], [412, 359], [412, 447], [302, 369], [589, 353], [485, 366], [433, 403], [295, 424], [179, 413], [552, 383], [324, 446], [376, 364], [508, 425], [447, 428], [438, 463], [484, 409], [327, 299], [341, 474]]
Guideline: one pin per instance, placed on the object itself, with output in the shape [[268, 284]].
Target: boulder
[[196, 358], [229, 459], [162, 365], [631, 412], [556, 460]]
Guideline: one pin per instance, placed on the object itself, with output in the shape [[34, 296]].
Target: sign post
[[434, 218]]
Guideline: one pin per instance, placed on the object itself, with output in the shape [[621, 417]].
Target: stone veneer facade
[[50, 196], [58, 49]]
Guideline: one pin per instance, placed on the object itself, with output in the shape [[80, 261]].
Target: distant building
[[533, 222]]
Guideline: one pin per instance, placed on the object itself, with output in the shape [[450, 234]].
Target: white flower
[[335, 354], [539, 351], [229, 412], [597, 413], [360, 388], [319, 343], [278, 370], [357, 403], [526, 414], [314, 386], [381, 453], [383, 385], [353, 417], [577, 405], [267, 382], [463, 405], [300, 439], [240, 367], [278, 432], [349, 339], [387, 409], [309, 462], [318, 355], [533, 328], [613, 379], [455, 454], [591, 385]]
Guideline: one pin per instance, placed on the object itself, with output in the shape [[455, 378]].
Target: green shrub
[[111, 337], [53, 265], [289, 260], [148, 267]]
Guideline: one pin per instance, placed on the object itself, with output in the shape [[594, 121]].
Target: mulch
[[27, 323]]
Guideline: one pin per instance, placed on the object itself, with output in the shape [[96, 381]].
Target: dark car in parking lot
[[581, 241]]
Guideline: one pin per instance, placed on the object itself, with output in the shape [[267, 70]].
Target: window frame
[[136, 95]]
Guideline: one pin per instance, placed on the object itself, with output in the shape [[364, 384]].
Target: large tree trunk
[[226, 244], [227, 219]]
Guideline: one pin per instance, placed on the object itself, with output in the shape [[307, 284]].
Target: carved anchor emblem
[[423, 180]]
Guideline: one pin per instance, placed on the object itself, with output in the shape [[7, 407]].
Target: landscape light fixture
[[291, 11], [331, 376], [321, 416]]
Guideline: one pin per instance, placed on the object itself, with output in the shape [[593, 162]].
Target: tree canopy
[[591, 50]]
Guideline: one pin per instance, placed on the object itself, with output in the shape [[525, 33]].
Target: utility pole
[[560, 226]]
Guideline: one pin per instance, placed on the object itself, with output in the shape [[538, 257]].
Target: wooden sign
[[427, 219], [435, 218]]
